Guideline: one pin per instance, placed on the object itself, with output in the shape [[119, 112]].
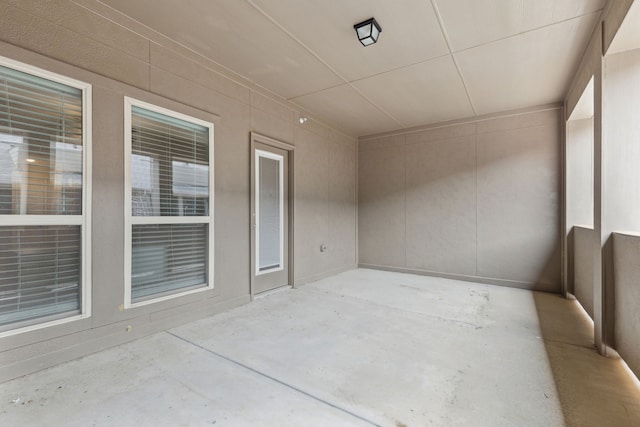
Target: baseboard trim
[[315, 277], [477, 279], [102, 342]]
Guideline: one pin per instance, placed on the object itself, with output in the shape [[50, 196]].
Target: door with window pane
[[270, 217]]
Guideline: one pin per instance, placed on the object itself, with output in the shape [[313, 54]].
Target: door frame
[[263, 139]]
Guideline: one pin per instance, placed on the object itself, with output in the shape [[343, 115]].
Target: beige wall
[[626, 248], [473, 200], [615, 177], [325, 199], [120, 58], [579, 172], [621, 141], [583, 241], [591, 68], [621, 189], [579, 210]]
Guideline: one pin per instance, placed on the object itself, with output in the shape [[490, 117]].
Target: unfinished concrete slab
[[361, 348]]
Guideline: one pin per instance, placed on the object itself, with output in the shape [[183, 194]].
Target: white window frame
[[84, 220], [131, 220], [280, 159]]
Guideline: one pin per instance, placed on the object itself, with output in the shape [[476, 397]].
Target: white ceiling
[[436, 60]]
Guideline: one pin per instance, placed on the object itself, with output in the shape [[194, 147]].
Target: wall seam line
[[404, 186], [149, 66], [476, 147]]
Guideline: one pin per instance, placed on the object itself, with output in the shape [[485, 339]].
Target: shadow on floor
[[593, 390]]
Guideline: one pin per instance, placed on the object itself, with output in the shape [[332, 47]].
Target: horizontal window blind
[[170, 203], [40, 273], [170, 165], [269, 214], [40, 146], [41, 173], [167, 258]]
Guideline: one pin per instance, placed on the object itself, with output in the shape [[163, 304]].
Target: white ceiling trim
[[458, 122]]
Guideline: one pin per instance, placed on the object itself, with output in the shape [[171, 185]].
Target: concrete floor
[[360, 348]]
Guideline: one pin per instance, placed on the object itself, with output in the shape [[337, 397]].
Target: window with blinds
[[43, 223], [169, 231]]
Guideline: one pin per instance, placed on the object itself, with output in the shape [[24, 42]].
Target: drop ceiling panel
[[529, 69], [346, 109], [429, 92], [236, 35], [410, 32], [512, 53], [474, 22]]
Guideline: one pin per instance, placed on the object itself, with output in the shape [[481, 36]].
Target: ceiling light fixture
[[302, 120], [30, 160], [368, 31]]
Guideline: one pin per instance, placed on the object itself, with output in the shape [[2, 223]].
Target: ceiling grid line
[[359, 92], [542, 27], [294, 38], [333, 70], [413, 64], [439, 61], [453, 58], [232, 75], [291, 99]]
